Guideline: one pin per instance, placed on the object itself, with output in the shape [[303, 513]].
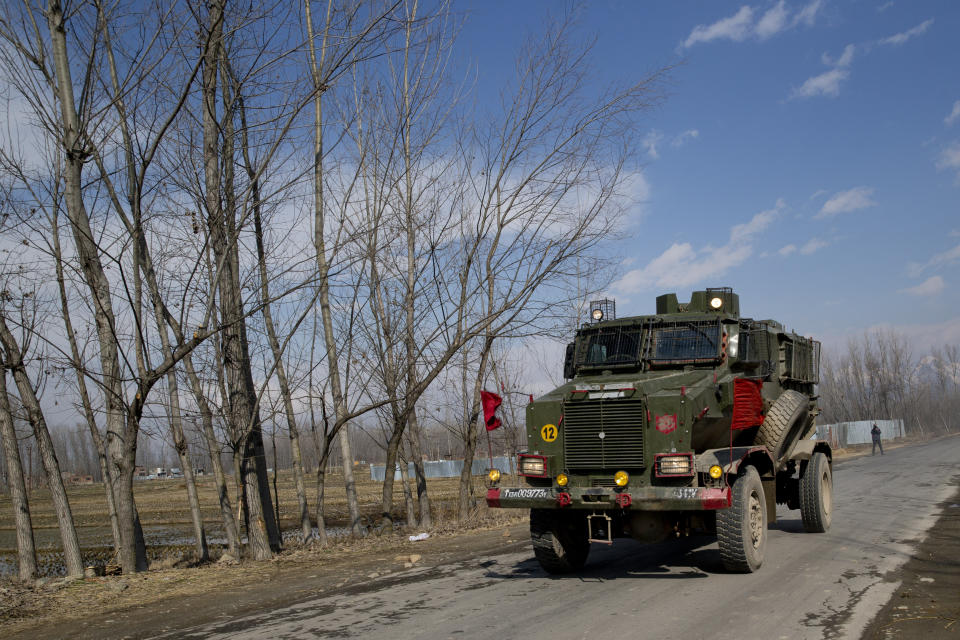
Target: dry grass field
[[166, 517]]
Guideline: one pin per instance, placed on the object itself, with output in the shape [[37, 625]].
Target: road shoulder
[[926, 604]]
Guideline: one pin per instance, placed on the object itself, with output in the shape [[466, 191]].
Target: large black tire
[[785, 422], [816, 494], [560, 540], [742, 528]]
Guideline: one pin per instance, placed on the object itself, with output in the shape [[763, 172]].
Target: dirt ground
[[927, 603], [182, 596], [143, 604]]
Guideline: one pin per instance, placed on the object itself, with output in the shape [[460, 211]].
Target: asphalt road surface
[[811, 585]]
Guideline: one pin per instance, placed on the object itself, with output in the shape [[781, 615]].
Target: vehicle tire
[[786, 421], [816, 494], [742, 528], [560, 540]]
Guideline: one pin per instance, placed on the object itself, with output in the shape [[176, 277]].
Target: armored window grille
[[684, 342], [610, 346]]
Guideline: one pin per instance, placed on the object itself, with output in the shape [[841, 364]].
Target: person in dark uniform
[[875, 433]]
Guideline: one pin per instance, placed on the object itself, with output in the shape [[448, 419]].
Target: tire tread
[[776, 427]]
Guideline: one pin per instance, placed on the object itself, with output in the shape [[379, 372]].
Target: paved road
[[811, 585]]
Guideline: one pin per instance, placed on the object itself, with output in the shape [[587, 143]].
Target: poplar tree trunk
[[417, 454], [323, 276], [263, 534], [227, 517], [26, 549], [68, 533], [82, 388], [292, 430], [407, 494], [118, 438], [186, 466]]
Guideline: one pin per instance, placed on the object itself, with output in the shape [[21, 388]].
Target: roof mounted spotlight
[[716, 303], [605, 309]]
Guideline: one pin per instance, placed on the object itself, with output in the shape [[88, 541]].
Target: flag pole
[[489, 450]]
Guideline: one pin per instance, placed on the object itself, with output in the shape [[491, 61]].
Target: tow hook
[[623, 500], [564, 499]]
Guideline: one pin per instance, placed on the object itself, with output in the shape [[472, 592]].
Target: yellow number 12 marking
[[549, 432]]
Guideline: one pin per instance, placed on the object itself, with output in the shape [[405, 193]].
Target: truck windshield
[[685, 342], [610, 346]]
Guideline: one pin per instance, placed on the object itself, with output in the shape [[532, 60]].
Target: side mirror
[[568, 369]]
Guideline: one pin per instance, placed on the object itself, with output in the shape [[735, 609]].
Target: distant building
[[140, 472], [76, 478]]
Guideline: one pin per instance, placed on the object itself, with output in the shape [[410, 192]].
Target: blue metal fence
[[847, 433]]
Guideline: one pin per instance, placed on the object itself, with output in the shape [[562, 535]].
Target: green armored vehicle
[[694, 419]]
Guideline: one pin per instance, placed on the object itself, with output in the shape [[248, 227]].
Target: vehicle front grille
[[620, 422], [606, 483]]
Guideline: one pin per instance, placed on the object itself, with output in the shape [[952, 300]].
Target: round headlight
[[597, 315], [562, 480], [716, 303], [621, 478], [715, 471], [494, 475]]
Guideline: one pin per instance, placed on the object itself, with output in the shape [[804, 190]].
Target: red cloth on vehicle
[[747, 404], [490, 402]]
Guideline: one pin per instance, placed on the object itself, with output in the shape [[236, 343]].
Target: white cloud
[[950, 158], [929, 287], [680, 265], [748, 23], [847, 201], [788, 249], [884, 6], [954, 114], [683, 138], [828, 82], [737, 28], [813, 245], [650, 143], [773, 21], [825, 84], [900, 38], [808, 14], [937, 261]]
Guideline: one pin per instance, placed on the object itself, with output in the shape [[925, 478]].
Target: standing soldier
[[875, 432]]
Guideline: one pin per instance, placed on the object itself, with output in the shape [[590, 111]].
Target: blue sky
[[808, 154]]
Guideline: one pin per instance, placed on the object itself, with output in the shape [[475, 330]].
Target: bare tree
[[14, 360], [26, 549]]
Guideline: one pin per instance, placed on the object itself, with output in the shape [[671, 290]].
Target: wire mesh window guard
[[611, 346], [682, 342]]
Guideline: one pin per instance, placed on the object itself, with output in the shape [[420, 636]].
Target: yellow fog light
[[562, 480], [494, 475], [715, 471], [621, 478]]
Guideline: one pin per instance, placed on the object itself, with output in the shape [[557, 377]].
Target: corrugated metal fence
[[847, 433], [446, 468]]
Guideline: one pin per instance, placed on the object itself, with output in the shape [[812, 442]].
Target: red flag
[[490, 402]]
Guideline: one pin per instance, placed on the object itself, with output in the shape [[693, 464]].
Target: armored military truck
[[691, 420]]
